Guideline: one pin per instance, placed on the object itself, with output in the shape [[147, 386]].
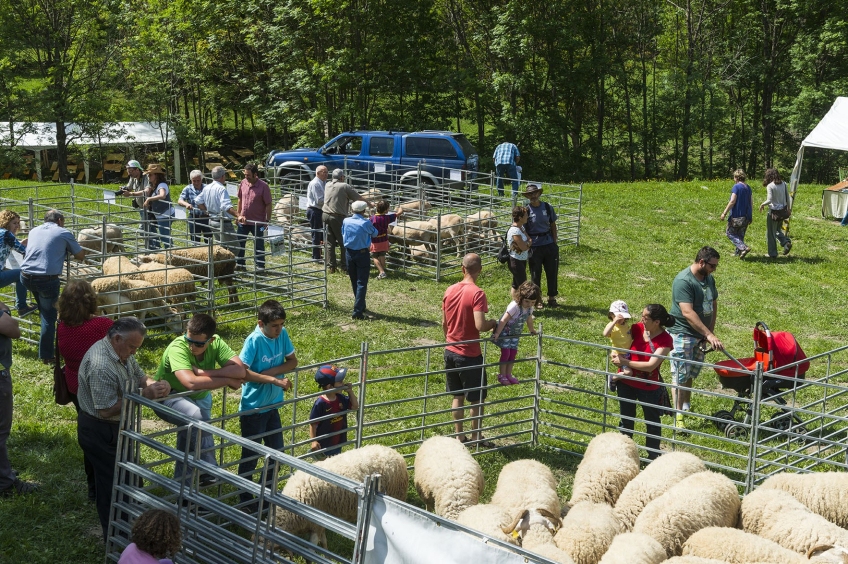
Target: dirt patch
[[424, 342]]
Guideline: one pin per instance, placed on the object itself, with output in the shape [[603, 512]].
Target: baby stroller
[[773, 350]]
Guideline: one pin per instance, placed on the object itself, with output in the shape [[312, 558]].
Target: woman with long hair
[[643, 388], [10, 224], [79, 328], [159, 203], [777, 200]]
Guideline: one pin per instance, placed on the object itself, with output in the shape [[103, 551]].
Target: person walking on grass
[[741, 214], [777, 200], [518, 312], [356, 239], [694, 307]]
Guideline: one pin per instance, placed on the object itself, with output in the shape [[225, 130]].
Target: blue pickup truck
[[446, 159]]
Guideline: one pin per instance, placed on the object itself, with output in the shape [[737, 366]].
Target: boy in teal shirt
[[268, 353], [198, 361]]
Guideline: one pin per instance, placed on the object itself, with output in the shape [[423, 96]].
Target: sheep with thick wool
[[705, 499], [196, 260], [778, 516], [652, 482], [527, 484], [118, 295], [447, 477], [120, 266], [355, 464], [537, 528], [738, 547], [634, 548], [490, 520], [92, 239], [587, 531], [176, 283], [823, 493], [610, 462]]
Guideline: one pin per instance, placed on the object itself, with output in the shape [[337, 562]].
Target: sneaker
[[787, 248], [744, 252], [503, 380], [19, 487], [27, 309], [381, 276], [678, 422], [552, 302], [207, 480], [512, 379]]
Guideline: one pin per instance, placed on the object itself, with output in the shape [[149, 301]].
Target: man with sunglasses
[[198, 361], [694, 306]]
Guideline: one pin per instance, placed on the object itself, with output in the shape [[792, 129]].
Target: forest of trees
[[588, 89]]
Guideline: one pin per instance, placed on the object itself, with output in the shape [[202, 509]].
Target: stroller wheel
[[736, 431], [722, 414]]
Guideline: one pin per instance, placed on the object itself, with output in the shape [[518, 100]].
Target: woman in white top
[[519, 248], [777, 198], [159, 203]]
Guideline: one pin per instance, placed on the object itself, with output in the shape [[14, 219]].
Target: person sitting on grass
[[268, 354], [155, 537], [329, 433]]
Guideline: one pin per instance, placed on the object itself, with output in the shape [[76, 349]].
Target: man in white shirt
[[215, 200], [314, 203]]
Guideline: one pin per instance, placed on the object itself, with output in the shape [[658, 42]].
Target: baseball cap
[[620, 306], [134, 164], [329, 374], [358, 206]]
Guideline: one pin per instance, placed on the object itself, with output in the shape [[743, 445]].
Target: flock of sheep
[[674, 511]]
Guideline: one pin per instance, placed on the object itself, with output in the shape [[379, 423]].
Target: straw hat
[[155, 168], [532, 189]]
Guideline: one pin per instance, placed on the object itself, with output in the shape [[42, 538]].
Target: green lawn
[[634, 239]]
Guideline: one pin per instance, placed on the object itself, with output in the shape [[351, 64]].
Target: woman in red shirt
[[649, 337], [79, 328]]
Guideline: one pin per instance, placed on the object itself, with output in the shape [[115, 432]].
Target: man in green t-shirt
[[694, 306], [198, 361]]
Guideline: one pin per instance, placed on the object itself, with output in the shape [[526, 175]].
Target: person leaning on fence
[[10, 223], [777, 200], [518, 312], [47, 246], [519, 243], [330, 432], [314, 214], [506, 158], [741, 214], [380, 241], [155, 537], [541, 226], [267, 354], [196, 219], [464, 308], [254, 213], [694, 306], [215, 201], [198, 361], [138, 188], [159, 203], [107, 372], [338, 196], [649, 337]]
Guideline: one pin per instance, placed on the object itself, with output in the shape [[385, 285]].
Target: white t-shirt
[[512, 232]]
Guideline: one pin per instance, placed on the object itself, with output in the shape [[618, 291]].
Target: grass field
[[634, 239]]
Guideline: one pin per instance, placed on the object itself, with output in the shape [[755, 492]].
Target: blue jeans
[[506, 171], [358, 268], [258, 232], [8, 276], [252, 426], [200, 409], [46, 292], [164, 226], [147, 229], [316, 223]]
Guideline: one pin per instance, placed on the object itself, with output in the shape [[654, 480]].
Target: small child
[[155, 537], [618, 331], [380, 242], [268, 354], [511, 324], [331, 380]]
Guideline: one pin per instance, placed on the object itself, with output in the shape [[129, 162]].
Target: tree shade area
[[589, 90]]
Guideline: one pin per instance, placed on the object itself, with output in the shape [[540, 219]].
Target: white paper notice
[[108, 197], [275, 231], [301, 203], [232, 189], [179, 212], [379, 167], [456, 175]]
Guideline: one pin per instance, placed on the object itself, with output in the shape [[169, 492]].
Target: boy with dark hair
[[268, 353], [332, 402]]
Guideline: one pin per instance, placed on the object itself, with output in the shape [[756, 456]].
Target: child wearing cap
[[331, 403], [618, 331], [268, 354]]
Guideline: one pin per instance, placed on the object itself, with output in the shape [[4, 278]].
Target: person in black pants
[[541, 227]]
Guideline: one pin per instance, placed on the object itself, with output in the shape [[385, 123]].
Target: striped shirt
[[103, 379]]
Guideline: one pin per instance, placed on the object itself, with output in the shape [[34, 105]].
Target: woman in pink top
[[79, 328]]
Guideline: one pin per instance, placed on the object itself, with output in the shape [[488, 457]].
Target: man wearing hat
[[541, 227], [338, 195], [137, 187], [328, 429], [506, 158], [356, 238]]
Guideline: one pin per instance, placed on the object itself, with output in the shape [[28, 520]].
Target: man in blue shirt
[[542, 229], [356, 238], [506, 157], [268, 354]]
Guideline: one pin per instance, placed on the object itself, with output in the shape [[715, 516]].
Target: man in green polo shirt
[[198, 361]]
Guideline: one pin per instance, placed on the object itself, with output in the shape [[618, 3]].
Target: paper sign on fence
[[379, 167], [179, 212], [301, 203], [108, 197], [456, 175], [232, 189]]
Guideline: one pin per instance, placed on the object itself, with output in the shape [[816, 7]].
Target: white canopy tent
[[40, 136], [830, 133]]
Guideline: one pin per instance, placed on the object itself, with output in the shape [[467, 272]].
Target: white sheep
[[91, 239], [120, 265], [634, 548], [451, 229], [694, 560], [828, 555], [587, 531], [372, 195], [355, 464], [117, 295], [415, 207], [653, 481], [491, 520], [738, 547], [176, 284], [414, 232], [447, 477], [196, 260], [824, 493], [537, 529], [286, 208], [482, 224], [526, 484], [610, 462], [778, 516], [705, 499]]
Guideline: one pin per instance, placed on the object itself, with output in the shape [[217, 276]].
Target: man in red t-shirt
[[464, 309], [254, 213]]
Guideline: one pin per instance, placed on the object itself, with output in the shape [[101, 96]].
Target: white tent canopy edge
[[830, 133]]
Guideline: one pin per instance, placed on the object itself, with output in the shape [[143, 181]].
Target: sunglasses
[[196, 343]]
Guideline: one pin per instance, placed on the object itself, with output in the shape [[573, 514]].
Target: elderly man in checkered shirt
[[506, 157]]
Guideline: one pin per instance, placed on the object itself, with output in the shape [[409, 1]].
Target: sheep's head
[[530, 517], [828, 555]]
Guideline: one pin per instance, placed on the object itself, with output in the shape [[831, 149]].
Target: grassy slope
[[635, 238]]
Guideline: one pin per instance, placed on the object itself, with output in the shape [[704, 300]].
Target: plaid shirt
[[505, 153], [103, 378], [189, 194]]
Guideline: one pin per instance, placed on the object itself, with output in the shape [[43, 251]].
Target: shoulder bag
[[503, 254], [785, 212], [60, 386]]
